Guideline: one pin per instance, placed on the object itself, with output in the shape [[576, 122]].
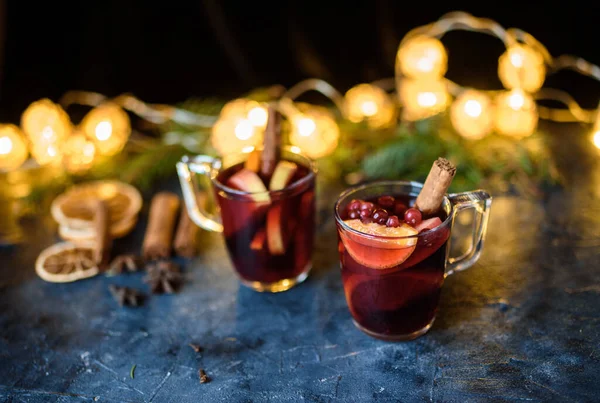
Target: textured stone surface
[[523, 324]]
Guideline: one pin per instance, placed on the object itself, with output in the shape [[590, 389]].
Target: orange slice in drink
[[65, 262], [379, 247]]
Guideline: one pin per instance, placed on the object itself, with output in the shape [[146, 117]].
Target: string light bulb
[[47, 126], [13, 149], [241, 124], [471, 114], [515, 113], [314, 130], [523, 67], [596, 130], [421, 99], [232, 135], [369, 103], [79, 152], [422, 57], [241, 108], [108, 126]]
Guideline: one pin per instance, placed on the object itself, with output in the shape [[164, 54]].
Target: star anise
[[126, 296], [163, 277], [122, 263], [203, 377]]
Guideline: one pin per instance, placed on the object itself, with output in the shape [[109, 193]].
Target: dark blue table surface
[[522, 324]]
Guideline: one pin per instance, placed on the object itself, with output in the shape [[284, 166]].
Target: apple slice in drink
[[249, 182], [279, 224], [258, 242], [255, 203]]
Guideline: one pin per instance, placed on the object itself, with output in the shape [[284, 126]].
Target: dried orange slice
[[72, 211], [117, 230], [65, 262], [379, 247]]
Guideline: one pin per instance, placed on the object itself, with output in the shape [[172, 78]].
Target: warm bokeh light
[[241, 124], [244, 130], [13, 149], [471, 114], [232, 135], [422, 57], [596, 138], [108, 126], [47, 126], [314, 130], [366, 102], [423, 98], [258, 116], [254, 112], [523, 67], [78, 153], [515, 113]]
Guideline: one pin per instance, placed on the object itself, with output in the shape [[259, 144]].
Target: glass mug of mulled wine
[[268, 221], [394, 258]]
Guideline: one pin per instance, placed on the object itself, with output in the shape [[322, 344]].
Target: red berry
[[354, 205], [393, 221], [367, 206], [400, 208], [412, 216], [380, 214], [386, 201], [353, 214], [366, 220], [365, 214]]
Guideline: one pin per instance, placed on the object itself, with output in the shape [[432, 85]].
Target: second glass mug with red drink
[[268, 222], [393, 270]]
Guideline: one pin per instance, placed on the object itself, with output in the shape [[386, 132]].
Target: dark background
[[167, 51]]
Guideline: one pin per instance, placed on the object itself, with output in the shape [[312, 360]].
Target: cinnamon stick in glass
[[185, 238], [272, 147], [161, 225], [435, 187], [103, 238]]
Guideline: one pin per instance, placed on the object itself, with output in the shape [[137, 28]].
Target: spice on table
[[163, 277], [122, 263], [435, 187], [185, 239], [103, 237], [132, 372], [196, 347], [161, 224], [272, 147], [126, 296], [203, 377]]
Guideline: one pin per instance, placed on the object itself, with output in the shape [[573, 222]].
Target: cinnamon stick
[[271, 147], [436, 185], [161, 224], [103, 238], [185, 237]]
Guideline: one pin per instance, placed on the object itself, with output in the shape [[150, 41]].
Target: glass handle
[[186, 168], [481, 202]]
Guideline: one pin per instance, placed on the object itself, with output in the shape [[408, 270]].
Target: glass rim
[[353, 189], [312, 173]]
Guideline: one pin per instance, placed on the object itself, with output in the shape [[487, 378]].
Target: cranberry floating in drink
[[393, 243], [267, 210]]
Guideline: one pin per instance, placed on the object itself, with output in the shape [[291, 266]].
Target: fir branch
[[153, 164]]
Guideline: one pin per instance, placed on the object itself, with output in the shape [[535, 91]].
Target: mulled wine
[[268, 222], [393, 266]]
